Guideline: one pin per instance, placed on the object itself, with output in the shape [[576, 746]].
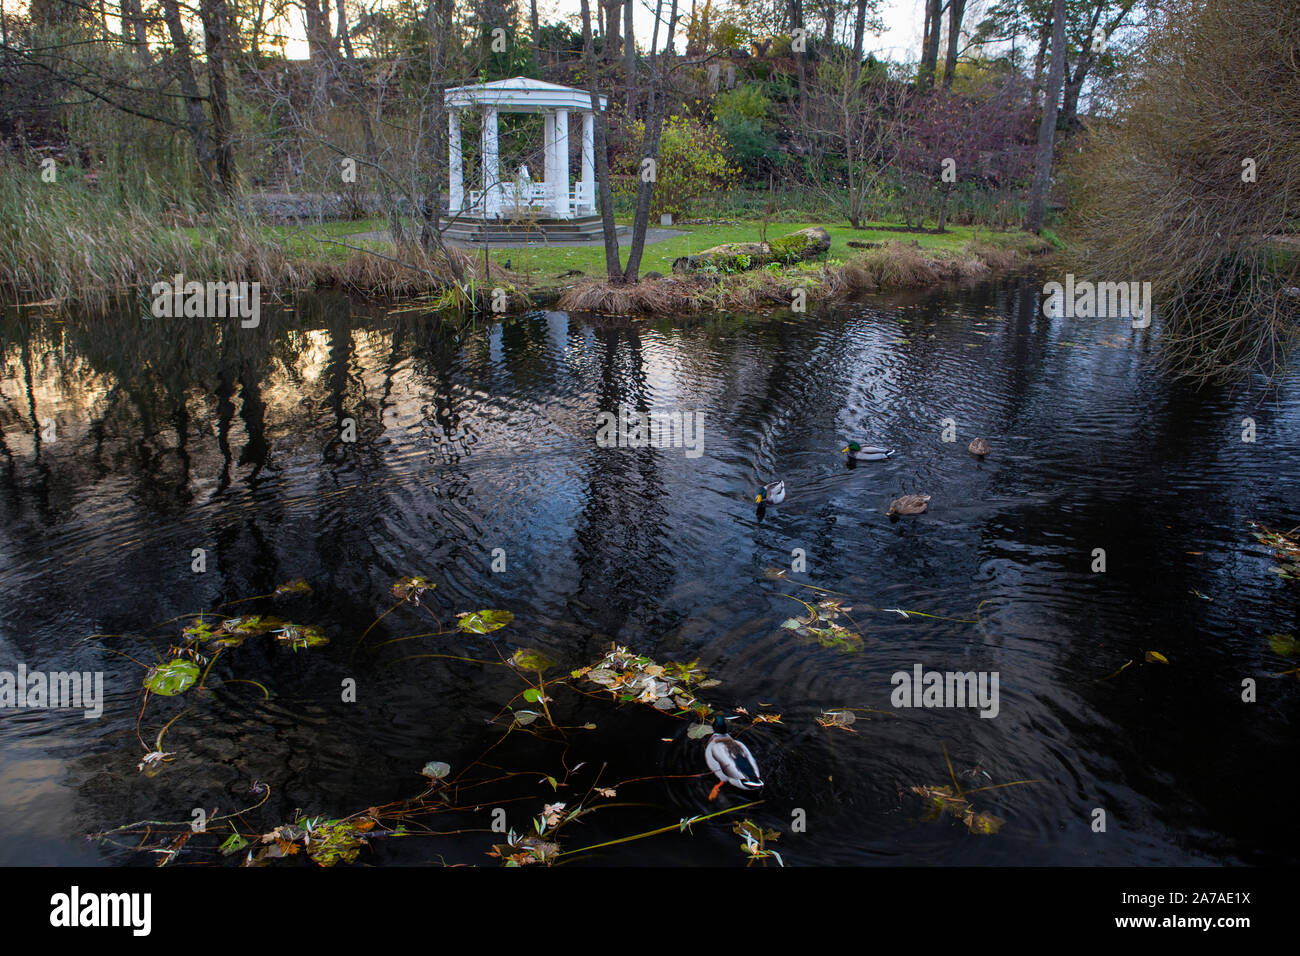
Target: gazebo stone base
[[583, 229]]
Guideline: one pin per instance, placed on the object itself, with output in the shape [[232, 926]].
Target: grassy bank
[[68, 244], [894, 265]]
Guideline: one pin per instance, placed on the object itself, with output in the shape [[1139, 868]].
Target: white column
[[548, 154], [589, 161], [562, 210], [491, 165], [455, 166]]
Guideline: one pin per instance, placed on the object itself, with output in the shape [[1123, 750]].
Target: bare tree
[[656, 107], [1037, 210], [604, 198], [860, 122]]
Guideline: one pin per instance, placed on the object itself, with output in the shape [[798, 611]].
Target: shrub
[[692, 163]]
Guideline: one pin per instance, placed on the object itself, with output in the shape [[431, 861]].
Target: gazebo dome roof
[[519, 94]]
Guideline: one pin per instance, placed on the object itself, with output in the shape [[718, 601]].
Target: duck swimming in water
[[730, 760], [909, 505], [866, 452], [773, 493]]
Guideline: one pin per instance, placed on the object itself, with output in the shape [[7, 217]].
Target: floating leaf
[[483, 622], [792, 623], [532, 695], [982, 823], [411, 588], [436, 769], [298, 636], [233, 844], [838, 718], [251, 625], [174, 677], [698, 731], [299, 586], [336, 841], [1153, 657], [1284, 644], [530, 659], [524, 717], [202, 631]]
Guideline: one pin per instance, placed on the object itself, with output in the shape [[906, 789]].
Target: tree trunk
[[1044, 36], [182, 63], [629, 54], [613, 44], [656, 105], [438, 19], [1037, 211], [956, 10], [216, 39], [357, 83], [343, 32], [859, 28], [133, 30], [319, 40], [535, 31], [796, 23], [930, 49], [603, 196]]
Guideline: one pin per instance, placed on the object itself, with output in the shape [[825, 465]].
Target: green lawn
[[540, 265]]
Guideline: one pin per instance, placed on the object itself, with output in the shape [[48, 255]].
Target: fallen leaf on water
[[1155, 656], [436, 769], [1284, 644]]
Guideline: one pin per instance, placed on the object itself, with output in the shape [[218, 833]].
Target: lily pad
[[530, 659], [412, 588], [484, 622], [173, 678]]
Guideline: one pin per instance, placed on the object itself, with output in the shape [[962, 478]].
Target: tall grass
[[1196, 186], [76, 244]]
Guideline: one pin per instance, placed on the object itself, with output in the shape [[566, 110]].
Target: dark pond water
[[173, 436]]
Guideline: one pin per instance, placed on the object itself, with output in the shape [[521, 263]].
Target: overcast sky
[[901, 40]]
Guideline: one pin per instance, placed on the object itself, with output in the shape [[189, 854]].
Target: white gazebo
[[554, 202]]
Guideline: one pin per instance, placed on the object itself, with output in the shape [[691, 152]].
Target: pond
[[152, 469]]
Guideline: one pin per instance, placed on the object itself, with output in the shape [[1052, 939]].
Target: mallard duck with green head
[[730, 760], [772, 493], [859, 452]]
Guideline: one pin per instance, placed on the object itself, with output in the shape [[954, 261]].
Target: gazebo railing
[[529, 200]]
